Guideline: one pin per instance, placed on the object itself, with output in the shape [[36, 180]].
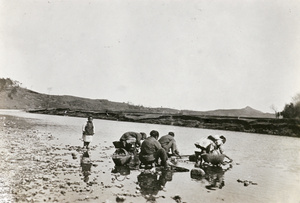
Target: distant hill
[[12, 96], [244, 112]]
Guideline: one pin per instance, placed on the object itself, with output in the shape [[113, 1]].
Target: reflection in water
[[213, 175], [86, 164], [152, 183], [134, 162], [279, 171], [120, 172]]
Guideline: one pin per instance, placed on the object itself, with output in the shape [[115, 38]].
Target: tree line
[[292, 110], [8, 83]]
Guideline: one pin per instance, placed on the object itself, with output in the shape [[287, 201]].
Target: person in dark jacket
[[88, 131], [168, 143], [131, 140], [151, 150]]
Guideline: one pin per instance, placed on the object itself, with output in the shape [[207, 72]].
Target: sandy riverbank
[[37, 169], [31, 166], [41, 162]]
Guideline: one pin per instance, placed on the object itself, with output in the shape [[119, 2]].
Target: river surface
[[271, 162]]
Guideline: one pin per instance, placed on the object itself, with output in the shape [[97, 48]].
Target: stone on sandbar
[[197, 172]]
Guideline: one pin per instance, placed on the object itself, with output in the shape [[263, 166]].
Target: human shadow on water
[[120, 173], [86, 164], [211, 176], [151, 183], [134, 163]]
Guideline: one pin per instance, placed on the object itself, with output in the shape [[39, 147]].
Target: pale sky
[[197, 55]]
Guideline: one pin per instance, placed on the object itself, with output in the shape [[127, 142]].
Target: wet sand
[[37, 169], [42, 162]]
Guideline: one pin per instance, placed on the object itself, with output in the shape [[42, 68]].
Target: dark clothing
[[88, 131], [150, 146], [150, 158], [168, 142], [151, 150], [89, 128], [128, 135], [86, 165], [86, 144]]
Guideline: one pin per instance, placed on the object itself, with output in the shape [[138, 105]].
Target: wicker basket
[[121, 157]]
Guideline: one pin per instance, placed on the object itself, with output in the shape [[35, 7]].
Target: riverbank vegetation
[[285, 127], [292, 110], [286, 122]]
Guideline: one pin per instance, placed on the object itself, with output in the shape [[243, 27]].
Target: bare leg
[[86, 144]]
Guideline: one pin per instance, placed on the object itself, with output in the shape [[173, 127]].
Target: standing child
[[88, 131]]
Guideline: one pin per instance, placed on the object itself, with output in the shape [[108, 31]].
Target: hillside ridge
[[16, 97]]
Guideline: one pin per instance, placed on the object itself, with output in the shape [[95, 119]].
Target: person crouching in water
[[219, 141], [151, 150], [88, 131], [210, 145], [206, 146], [169, 144], [132, 140]]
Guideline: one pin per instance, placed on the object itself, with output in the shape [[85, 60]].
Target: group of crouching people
[[153, 150]]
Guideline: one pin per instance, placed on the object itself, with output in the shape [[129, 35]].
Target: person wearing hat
[[151, 150], [88, 131], [131, 140], [169, 144]]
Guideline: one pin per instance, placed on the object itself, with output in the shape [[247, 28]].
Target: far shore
[[271, 126]]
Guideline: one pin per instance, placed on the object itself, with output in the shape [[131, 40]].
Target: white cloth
[[131, 140], [87, 138], [204, 142]]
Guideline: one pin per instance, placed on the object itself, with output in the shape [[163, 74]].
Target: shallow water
[[273, 162]]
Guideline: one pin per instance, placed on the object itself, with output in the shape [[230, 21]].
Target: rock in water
[[177, 198], [120, 198], [197, 173]]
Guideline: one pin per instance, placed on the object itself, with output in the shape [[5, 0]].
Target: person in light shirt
[[219, 141], [210, 145]]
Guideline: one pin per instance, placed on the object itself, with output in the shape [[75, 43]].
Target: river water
[[271, 162]]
